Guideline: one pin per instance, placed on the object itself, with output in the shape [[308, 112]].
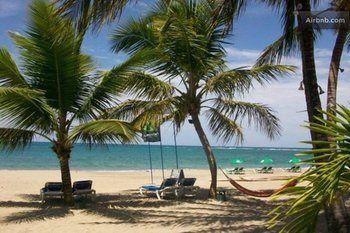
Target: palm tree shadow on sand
[[131, 208]]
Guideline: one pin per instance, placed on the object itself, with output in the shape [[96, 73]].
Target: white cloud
[[234, 53]]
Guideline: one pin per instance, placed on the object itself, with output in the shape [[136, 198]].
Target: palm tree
[[328, 182], [56, 94], [300, 38], [185, 50]]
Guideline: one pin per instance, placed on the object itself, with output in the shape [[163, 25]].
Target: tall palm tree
[[56, 94], [300, 38], [185, 50]]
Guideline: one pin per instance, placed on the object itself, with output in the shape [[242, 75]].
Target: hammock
[[259, 193]]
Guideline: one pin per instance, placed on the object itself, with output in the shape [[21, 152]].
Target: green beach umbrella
[[236, 161], [295, 160], [266, 161]]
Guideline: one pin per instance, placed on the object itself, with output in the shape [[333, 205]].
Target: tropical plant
[[187, 52], [56, 94], [326, 183], [300, 38]]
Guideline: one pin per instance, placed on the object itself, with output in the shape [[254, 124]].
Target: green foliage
[[186, 71], [328, 179], [91, 12], [57, 93]]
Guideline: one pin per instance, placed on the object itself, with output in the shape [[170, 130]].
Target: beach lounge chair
[[294, 169], [269, 170], [83, 188], [240, 171], [152, 189], [232, 171], [291, 169], [262, 170], [186, 188], [51, 190]]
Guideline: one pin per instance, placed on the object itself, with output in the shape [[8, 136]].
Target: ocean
[[136, 157]]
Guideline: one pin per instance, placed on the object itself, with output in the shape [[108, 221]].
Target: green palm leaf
[[326, 183], [259, 114], [9, 73], [51, 60], [241, 80], [25, 109], [103, 132], [11, 139], [223, 127]]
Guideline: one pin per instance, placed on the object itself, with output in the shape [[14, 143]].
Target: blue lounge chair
[[83, 188], [186, 188], [51, 190], [153, 189]]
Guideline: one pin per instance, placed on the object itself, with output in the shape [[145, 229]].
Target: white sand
[[119, 208]]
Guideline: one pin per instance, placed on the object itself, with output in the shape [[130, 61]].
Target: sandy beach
[[119, 207]]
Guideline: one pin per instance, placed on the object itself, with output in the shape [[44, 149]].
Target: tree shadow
[[129, 207]]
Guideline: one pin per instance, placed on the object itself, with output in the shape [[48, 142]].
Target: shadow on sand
[[131, 208]]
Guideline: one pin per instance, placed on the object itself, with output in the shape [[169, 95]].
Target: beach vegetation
[[185, 76], [326, 183], [54, 92]]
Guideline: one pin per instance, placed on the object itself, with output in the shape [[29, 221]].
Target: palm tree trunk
[[312, 97], [334, 69], [209, 153], [66, 179], [338, 219]]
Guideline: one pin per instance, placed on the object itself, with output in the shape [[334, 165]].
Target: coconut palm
[[328, 182], [56, 94], [187, 60]]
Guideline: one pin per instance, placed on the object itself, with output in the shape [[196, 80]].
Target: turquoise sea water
[[135, 157]]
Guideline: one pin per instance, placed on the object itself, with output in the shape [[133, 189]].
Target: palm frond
[[9, 72], [260, 115], [241, 80], [326, 183], [103, 131], [141, 112], [111, 84], [51, 60], [147, 86], [287, 9], [25, 109], [134, 36], [227, 10], [223, 127], [12, 138], [274, 53], [92, 12]]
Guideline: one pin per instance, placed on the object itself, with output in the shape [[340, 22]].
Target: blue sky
[[256, 29]]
